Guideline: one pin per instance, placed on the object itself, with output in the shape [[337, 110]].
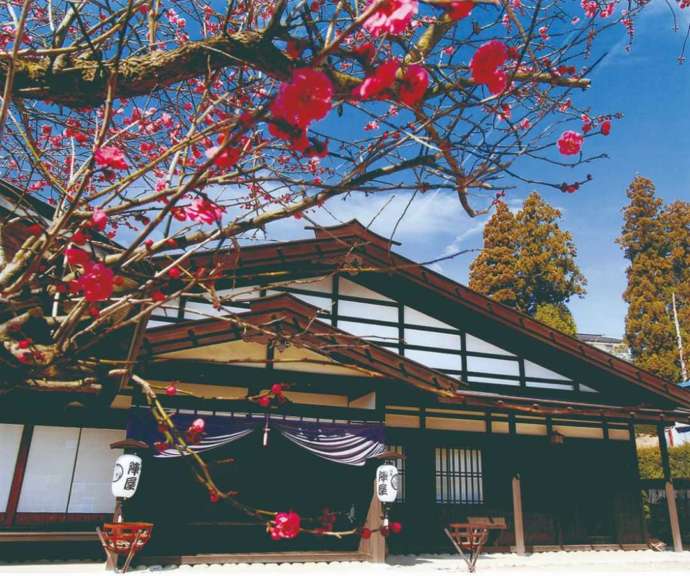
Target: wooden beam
[[374, 547], [517, 516], [52, 536], [670, 491], [18, 477]]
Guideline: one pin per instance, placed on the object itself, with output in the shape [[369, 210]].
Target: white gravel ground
[[547, 563]]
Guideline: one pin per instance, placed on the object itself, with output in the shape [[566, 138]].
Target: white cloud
[[657, 17], [428, 218], [456, 244]]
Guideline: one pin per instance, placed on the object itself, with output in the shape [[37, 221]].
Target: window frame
[[458, 475]]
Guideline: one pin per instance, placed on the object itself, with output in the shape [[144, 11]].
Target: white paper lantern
[[387, 483], [126, 476]]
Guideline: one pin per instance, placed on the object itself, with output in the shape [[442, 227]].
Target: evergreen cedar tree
[[493, 271], [557, 316], [656, 242], [528, 263]]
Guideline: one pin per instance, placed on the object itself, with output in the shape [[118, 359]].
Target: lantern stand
[[119, 537]]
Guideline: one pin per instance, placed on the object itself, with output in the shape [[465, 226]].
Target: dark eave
[[560, 408]]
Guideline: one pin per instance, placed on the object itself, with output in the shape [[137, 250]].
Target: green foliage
[[528, 262], [649, 462], [656, 241], [493, 271], [546, 269], [557, 316]]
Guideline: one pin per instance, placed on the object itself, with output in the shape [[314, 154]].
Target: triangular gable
[[366, 258], [283, 316]]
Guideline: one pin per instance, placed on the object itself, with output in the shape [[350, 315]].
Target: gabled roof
[[352, 249], [285, 316]]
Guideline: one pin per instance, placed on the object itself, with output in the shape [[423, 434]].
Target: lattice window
[[459, 476], [399, 463]]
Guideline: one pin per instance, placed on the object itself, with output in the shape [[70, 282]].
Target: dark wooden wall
[[582, 492], [280, 477]]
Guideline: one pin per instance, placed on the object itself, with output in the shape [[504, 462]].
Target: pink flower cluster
[[382, 79], [459, 10], [203, 210], [195, 430], [96, 282], [226, 159], [306, 98], [392, 17], [110, 157], [286, 525], [413, 85], [570, 143], [486, 66]]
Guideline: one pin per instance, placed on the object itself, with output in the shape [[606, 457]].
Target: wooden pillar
[[670, 491], [636, 467], [18, 476], [375, 546], [517, 516]]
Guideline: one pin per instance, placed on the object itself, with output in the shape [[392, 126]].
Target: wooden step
[[49, 536]]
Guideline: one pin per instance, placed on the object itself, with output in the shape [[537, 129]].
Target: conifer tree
[[657, 244], [677, 225], [557, 316], [528, 262], [493, 271], [546, 268]]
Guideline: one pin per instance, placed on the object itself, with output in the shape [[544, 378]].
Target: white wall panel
[[203, 310], [317, 301], [433, 339], [550, 385], [374, 331], [435, 359], [493, 366], [367, 311], [491, 380], [319, 285], [349, 288], [240, 294], [584, 388], [49, 469], [475, 344], [533, 370], [94, 470], [413, 316], [10, 436]]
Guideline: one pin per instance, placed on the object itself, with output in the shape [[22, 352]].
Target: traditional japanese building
[[492, 413]]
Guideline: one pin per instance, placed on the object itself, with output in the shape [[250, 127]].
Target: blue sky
[[652, 91]]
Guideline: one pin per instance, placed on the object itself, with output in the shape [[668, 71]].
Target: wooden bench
[[491, 522], [469, 537]]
